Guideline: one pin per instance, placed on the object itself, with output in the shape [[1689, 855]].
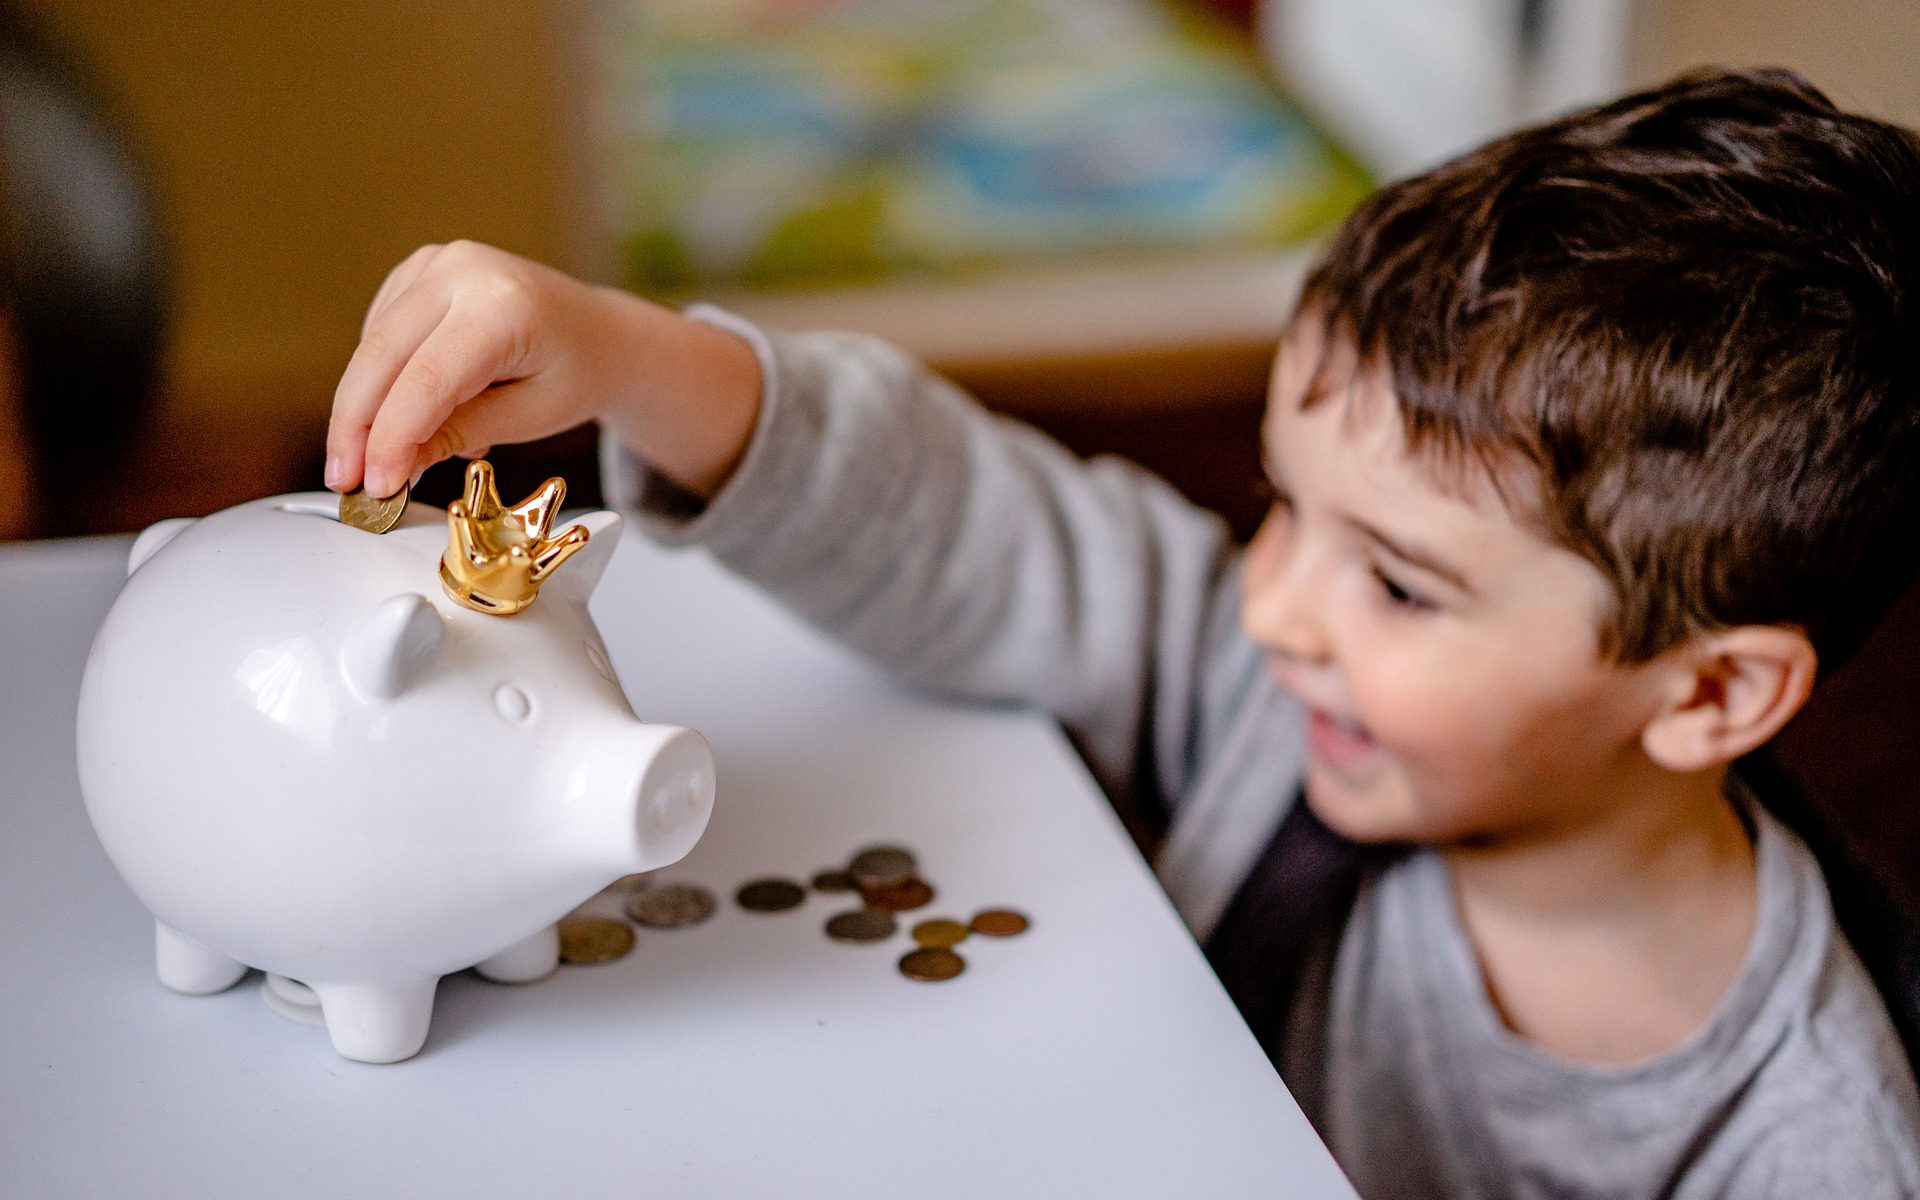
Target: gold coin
[[999, 922], [880, 866], [940, 933], [834, 881], [770, 895], [670, 905], [862, 925], [932, 965], [910, 893], [373, 515], [585, 940]]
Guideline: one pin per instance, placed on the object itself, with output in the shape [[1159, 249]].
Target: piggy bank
[[306, 757]]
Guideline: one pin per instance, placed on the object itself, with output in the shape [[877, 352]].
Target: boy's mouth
[[1336, 741]]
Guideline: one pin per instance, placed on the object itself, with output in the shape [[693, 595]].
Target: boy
[[1591, 449]]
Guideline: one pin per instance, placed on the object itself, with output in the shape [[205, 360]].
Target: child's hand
[[465, 346]]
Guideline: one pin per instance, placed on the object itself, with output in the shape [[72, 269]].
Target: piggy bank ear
[[579, 575], [389, 647], [153, 537]]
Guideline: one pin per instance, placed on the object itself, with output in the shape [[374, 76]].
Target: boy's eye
[[1399, 596]]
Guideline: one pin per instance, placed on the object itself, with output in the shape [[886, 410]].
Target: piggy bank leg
[[526, 960], [378, 1022], [186, 966]]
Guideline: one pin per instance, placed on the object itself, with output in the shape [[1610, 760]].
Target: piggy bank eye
[[513, 704]]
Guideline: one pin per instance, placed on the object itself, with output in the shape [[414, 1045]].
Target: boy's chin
[[1377, 814]]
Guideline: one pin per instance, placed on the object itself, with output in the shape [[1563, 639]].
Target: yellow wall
[[300, 150]]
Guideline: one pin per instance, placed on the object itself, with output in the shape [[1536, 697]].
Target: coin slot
[[312, 506]]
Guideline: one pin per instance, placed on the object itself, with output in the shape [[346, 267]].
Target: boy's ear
[[1732, 690]]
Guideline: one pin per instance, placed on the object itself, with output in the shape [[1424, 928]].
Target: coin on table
[[585, 940], [878, 866], [932, 965], [862, 925], [770, 895], [910, 893], [999, 922], [834, 881], [670, 905], [940, 933], [370, 513], [629, 883]]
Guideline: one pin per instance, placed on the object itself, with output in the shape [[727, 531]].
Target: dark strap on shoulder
[[1274, 946], [1883, 931]]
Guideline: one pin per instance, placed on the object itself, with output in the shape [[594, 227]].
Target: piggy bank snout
[[665, 780]]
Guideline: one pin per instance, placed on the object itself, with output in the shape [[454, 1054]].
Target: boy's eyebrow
[[1425, 560]]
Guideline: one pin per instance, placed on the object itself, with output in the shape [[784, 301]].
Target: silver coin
[[862, 925], [671, 905], [879, 866]]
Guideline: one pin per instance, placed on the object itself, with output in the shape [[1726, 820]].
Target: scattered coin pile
[[371, 513], [886, 879]]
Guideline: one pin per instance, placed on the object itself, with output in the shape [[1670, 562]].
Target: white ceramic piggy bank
[[305, 757]]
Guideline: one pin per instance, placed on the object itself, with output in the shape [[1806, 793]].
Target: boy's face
[[1447, 654]]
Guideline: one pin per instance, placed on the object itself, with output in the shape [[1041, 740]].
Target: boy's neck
[[1612, 939], [1636, 855]]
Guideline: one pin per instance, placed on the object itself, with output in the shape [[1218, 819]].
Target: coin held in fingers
[[372, 513]]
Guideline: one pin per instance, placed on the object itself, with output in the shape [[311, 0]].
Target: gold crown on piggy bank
[[497, 557]]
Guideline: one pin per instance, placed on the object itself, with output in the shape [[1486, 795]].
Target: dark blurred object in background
[[83, 290]]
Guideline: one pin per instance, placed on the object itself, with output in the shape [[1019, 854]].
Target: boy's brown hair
[[1690, 315]]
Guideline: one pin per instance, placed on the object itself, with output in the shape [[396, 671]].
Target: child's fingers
[[385, 350], [461, 358], [470, 431], [398, 281]]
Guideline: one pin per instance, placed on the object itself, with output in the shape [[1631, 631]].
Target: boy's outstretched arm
[[465, 345], [971, 553]]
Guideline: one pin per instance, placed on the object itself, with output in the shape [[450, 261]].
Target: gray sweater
[[977, 557]]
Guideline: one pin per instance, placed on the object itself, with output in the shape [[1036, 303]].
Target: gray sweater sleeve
[[964, 551]]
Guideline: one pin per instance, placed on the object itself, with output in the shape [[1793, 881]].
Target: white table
[[1094, 1056]]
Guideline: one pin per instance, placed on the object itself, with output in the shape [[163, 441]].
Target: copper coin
[[370, 513], [770, 895], [879, 866], [910, 893], [940, 933], [585, 940], [932, 965], [999, 922], [834, 881], [670, 905], [862, 925]]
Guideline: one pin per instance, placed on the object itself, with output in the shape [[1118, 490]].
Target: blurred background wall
[[296, 152]]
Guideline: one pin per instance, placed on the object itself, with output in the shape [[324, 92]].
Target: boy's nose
[[1278, 607]]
